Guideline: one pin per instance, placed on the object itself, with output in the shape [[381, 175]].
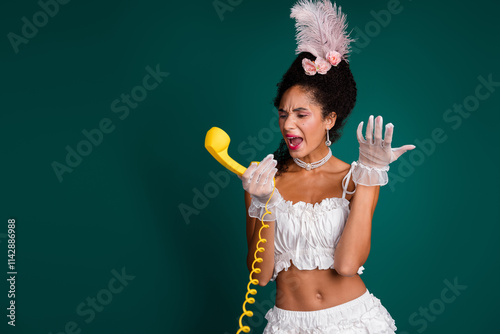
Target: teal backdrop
[[124, 223]]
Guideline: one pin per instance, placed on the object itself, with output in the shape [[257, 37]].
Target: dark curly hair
[[334, 91]]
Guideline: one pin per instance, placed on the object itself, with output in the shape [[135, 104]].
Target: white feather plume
[[321, 27]]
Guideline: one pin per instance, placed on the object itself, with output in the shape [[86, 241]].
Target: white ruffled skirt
[[364, 314]]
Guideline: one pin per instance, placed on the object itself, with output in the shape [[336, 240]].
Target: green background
[[120, 207]]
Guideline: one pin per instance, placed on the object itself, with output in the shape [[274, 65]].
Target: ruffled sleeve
[[257, 208], [369, 176]]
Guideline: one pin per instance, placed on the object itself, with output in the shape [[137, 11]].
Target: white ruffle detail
[[313, 258], [362, 315], [326, 205], [360, 270], [257, 208], [307, 234], [369, 176]]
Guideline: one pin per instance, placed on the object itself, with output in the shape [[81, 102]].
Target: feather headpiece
[[321, 30]]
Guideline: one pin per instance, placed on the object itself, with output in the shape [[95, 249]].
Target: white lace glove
[[258, 182], [376, 154]]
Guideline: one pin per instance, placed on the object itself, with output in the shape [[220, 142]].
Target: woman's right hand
[[258, 178]]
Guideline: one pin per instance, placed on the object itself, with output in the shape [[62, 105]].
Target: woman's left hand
[[375, 152]]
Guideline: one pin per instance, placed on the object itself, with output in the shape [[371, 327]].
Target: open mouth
[[294, 142]]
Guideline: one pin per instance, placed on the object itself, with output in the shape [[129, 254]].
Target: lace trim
[[369, 176], [257, 208]]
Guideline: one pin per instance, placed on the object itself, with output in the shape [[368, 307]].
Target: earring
[[328, 142]]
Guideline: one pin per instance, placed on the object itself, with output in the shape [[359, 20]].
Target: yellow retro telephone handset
[[217, 143]]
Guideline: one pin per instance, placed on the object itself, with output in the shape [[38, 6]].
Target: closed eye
[[299, 116]]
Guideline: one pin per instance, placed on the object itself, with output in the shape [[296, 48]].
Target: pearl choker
[[309, 166]]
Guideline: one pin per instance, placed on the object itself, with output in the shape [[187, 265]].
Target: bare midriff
[[317, 289]]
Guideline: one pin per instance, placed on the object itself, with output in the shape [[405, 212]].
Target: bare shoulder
[[341, 166], [345, 166]]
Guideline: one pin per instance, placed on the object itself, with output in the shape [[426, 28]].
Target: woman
[[321, 208]]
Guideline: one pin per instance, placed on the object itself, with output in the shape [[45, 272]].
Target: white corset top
[[306, 234]]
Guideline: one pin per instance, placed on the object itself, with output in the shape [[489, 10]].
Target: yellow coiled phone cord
[[217, 143], [255, 281]]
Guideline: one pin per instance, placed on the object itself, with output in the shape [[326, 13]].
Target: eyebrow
[[296, 109]]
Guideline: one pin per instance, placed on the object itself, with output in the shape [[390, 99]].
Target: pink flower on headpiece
[[309, 66], [333, 57], [320, 65]]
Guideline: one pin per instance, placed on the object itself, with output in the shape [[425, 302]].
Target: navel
[[319, 296]]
